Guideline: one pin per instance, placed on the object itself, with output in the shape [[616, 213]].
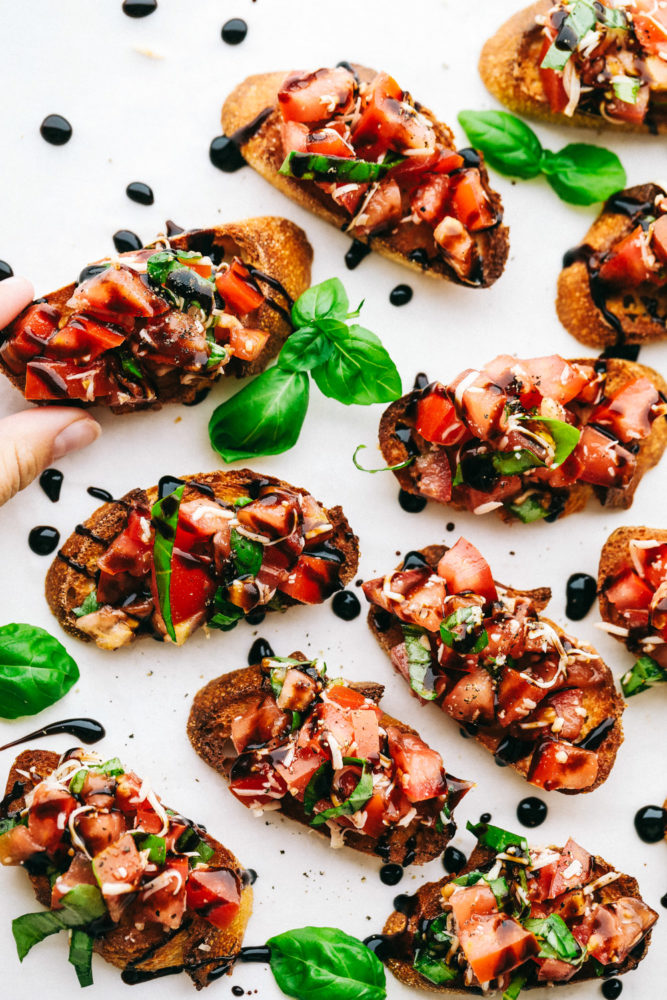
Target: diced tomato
[[246, 344], [464, 568], [328, 142], [318, 96], [175, 831], [651, 26], [561, 712], [374, 825], [261, 786], [505, 638], [297, 692], [457, 245], [117, 295], [554, 970], [118, 867], [483, 405], [437, 420], [98, 790], [562, 765], [132, 550], [495, 944], [429, 200], [49, 812], [628, 592], [433, 473], [259, 726], [557, 379], [241, 295], [82, 337], [275, 514], [58, 380], [659, 238], [470, 202], [312, 580], [420, 771], [629, 263], [654, 562], [633, 112], [472, 902], [517, 697], [572, 870], [202, 265], [336, 721], [471, 698], [305, 763], [216, 894], [100, 829], [294, 137], [345, 697], [128, 791], [629, 412], [147, 819], [382, 211], [191, 585], [614, 930], [165, 905], [18, 845], [80, 872], [29, 334], [605, 462], [202, 517], [366, 732], [423, 597], [388, 122], [552, 80]]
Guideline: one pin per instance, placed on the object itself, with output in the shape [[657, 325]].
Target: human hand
[[33, 439]]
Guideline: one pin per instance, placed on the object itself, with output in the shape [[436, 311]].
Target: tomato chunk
[[561, 765], [629, 412], [49, 812], [552, 80], [29, 335], [297, 776], [470, 202], [420, 771], [659, 238], [318, 96], [82, 337], [557, 379], [312, 580], [495, 944], [237, 288], [472, 902], [437, 419], [57, 380], [604, 461], [17, 845], [572, 870], [464, 568], [215, 893], [259, 726], [629, 263], [614, 930], [382, 211], [116, 295], [628, 592], [471, 698]]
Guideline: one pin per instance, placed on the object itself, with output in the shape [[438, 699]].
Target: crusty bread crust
[[614, 558], [153, 948], [428, 906], [576, 308], [66, 588], [238, 692], [273, 245], [264, 152], [509, 67], [619, 372], [601, 701]]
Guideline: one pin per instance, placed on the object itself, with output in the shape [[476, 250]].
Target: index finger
[[15, 294]]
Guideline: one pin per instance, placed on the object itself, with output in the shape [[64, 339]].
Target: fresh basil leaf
[[318, 167], [359, 369], [419, 660], [626, 88], [323, 963], [495, 838], [517, 983], [78, 781], [614, 17], [644, 675], [217, 354], [458, 476], [35, 670], [112, 767], [498, 886], [156, 847], [508, 144], [80, 906], [529, 510], [318, 787], [8, 823], [385, 468], [581, 19], [191, 843], [553, 931], [565, 437], [160, 264], [328, 300], [512, 463], [88, 605], [433, 968], [305, 349], [277, 678], [226, 615], [81, 956], [164, 516], [264, 418], [247, 553], [242, 501], [470, 638], [128, 362], [357, 800], [582, 174]]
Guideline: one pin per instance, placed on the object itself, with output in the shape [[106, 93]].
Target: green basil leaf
[[508, 144], [35, 670], [323, 963], [164, 515], [584, 174], [128, 362], [517, 983], [248, 554], [626, 88], [305, 349], [88, 605], [226, 615], [558, 937], [565, 437], [529, 510], [112, 767], [498, 886], [512, 463], [328, 300], [318, 167], [8, 823], [264, 418], [581, 20], [217, 354], [470, 639], [359, 369], [191, 843], [160, 264], [277, 677], [357, 800], [615, 18], [644, 675], [385, 468], [78, 781], [495, 838], [80, 906], [419, 660], [156, 847], [242, 501], [318, 787], [433, 968], [81, 956]]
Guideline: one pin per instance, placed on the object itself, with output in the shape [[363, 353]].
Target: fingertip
[[15, 294]]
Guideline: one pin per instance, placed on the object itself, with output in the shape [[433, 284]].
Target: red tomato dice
[[630, 411], [215, 893], [82, 337], [629, 263], [561, 765], [437, 420], [470, 202], [420, 771], [464, 568], [240, 294]]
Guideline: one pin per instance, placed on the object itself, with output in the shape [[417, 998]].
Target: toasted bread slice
[[614, 558], [275, 246], [641, 315], [602, 702], [509, 66], [197, 947], [67, 586], [577, 496], [263, 150], [426, 904], [235, 694]]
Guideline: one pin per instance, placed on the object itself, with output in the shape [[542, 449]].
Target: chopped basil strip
[[512, 463], [81, 956], [565, 437], [80, 906], [128, 362], [112, 767], [217, 354], [226, 615], [460, 631], [626, 88], [357, 800], [578, 23], [433, 945], [556, 939], [517, 982], [156, 847], [434, 969], [495, 838], [191, 843], [385, 468], [529, 510], [419, 660], [9, 822], [164, 516], [88, 606], [277, 677], [644, 675], [78, 781], [318, 167], [247, 554], [498, 886]]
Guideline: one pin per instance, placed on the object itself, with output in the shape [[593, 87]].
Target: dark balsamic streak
[[86, 730], [593, 739], [85, 532], [77, 566]]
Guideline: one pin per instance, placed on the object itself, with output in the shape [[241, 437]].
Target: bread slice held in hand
[[323, 752], [350, 145], [146, 889], [202, 551], [541, 701], [518, 917], [162, 324]]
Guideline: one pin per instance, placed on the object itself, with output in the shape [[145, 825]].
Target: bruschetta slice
[[535, 697], [519, 917], [150, 891], [205, 550], [613, 287], [351, 145], [632, 587], [596, 65], [161, 325], [321, 750], [531, 440]]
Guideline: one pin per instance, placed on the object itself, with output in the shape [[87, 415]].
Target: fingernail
[[77, 435]]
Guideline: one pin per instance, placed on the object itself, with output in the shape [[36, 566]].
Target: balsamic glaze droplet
[[421, 381], [86, 730], [414, 560], [471, 157], [346, 605], [173, 228], [485, 818], [234, 31], [125, 241], [140, 192], [419, 256], [410, 502], [249, 876], [450, 526], [238, 991], [531, 811], [254, 954], [383, 619], [453, 860], [651, 823], [663, 901], [379, 945], [401, 295], [43, 539], [612, 989], [256, 617], [259, 650], [99, 494], [51, 481], [56, 130], [357, 251], [167, 485], [5, 270], [225, 154], [391, 874], [139, 8], [581, 592], [626, 352]]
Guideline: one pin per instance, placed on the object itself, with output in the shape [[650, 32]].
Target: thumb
[[32, 439]]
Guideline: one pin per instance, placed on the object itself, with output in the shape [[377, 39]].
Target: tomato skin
[[297, 776], [577, 875], [430, 199], [628, 592], [457, 245], [345, 697], [82, 337], [235, 286], [29, 336], [578, 769], [495, 944], [132, 550], [437, 420], [433, 473], [605, 462], [312, 580], [49, 811], [191, 586], [610, 932], [300, 97], [552, 80], [260, 726], [470, 202], [472, 698], [629, 262], [261, 786], [117, 295], [420, 771], [473, 901], [17, 846], [383, 210], [463, 568], [214, 893], [58, 380], [557, 379], [629, 411]]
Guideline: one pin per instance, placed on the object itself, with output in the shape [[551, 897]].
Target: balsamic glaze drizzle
[[86, 730], [51, 481]]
